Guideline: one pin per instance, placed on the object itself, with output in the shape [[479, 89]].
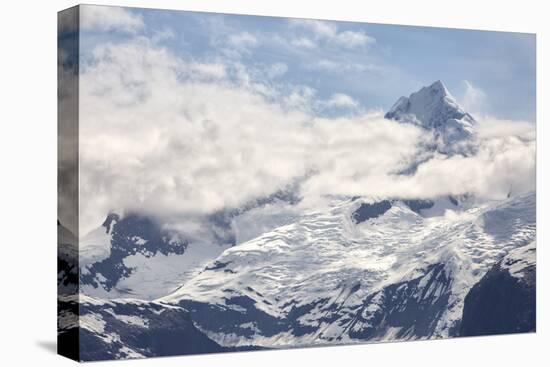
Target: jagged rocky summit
[[434, 108]]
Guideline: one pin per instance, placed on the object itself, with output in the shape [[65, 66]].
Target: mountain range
[[269, 275]]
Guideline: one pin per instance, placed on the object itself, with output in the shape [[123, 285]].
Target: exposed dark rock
[[412, 308], [130, 235], [133, 329], [368, 211], [501, 303], [418, 205]]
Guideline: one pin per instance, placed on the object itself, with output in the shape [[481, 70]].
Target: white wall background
[[28, 181]]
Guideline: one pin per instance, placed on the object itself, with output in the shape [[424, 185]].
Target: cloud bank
[[174, 136]]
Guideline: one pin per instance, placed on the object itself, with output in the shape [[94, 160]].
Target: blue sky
[[372, 63]]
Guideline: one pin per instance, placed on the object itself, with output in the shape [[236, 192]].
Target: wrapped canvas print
[[235, 183]]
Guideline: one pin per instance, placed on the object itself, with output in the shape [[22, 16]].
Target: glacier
[[324, 279]]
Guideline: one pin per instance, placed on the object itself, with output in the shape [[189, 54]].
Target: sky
[[184, 114], [372, 63]]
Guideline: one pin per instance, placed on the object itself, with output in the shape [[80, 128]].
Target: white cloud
[[277, 70], [341, 100], [328, 32], [109, 18], [300, 98], [353, 39], [328, 65], [176, 138], [473, 99], [303, 42], [243, 40], [163, 34], [490, 127], [337, 66], [502, 166], [320, 28], [210, 70]]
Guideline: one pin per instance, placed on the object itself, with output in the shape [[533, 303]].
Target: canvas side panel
[[67, 183]]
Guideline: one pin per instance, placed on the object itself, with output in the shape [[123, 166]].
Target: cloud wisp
[[474, 99], [328, 32]]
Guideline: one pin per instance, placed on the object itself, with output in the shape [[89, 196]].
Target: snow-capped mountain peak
[[434, 108]]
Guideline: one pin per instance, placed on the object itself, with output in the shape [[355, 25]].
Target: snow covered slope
[[435, 109], [133, 256], [325, 278]]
